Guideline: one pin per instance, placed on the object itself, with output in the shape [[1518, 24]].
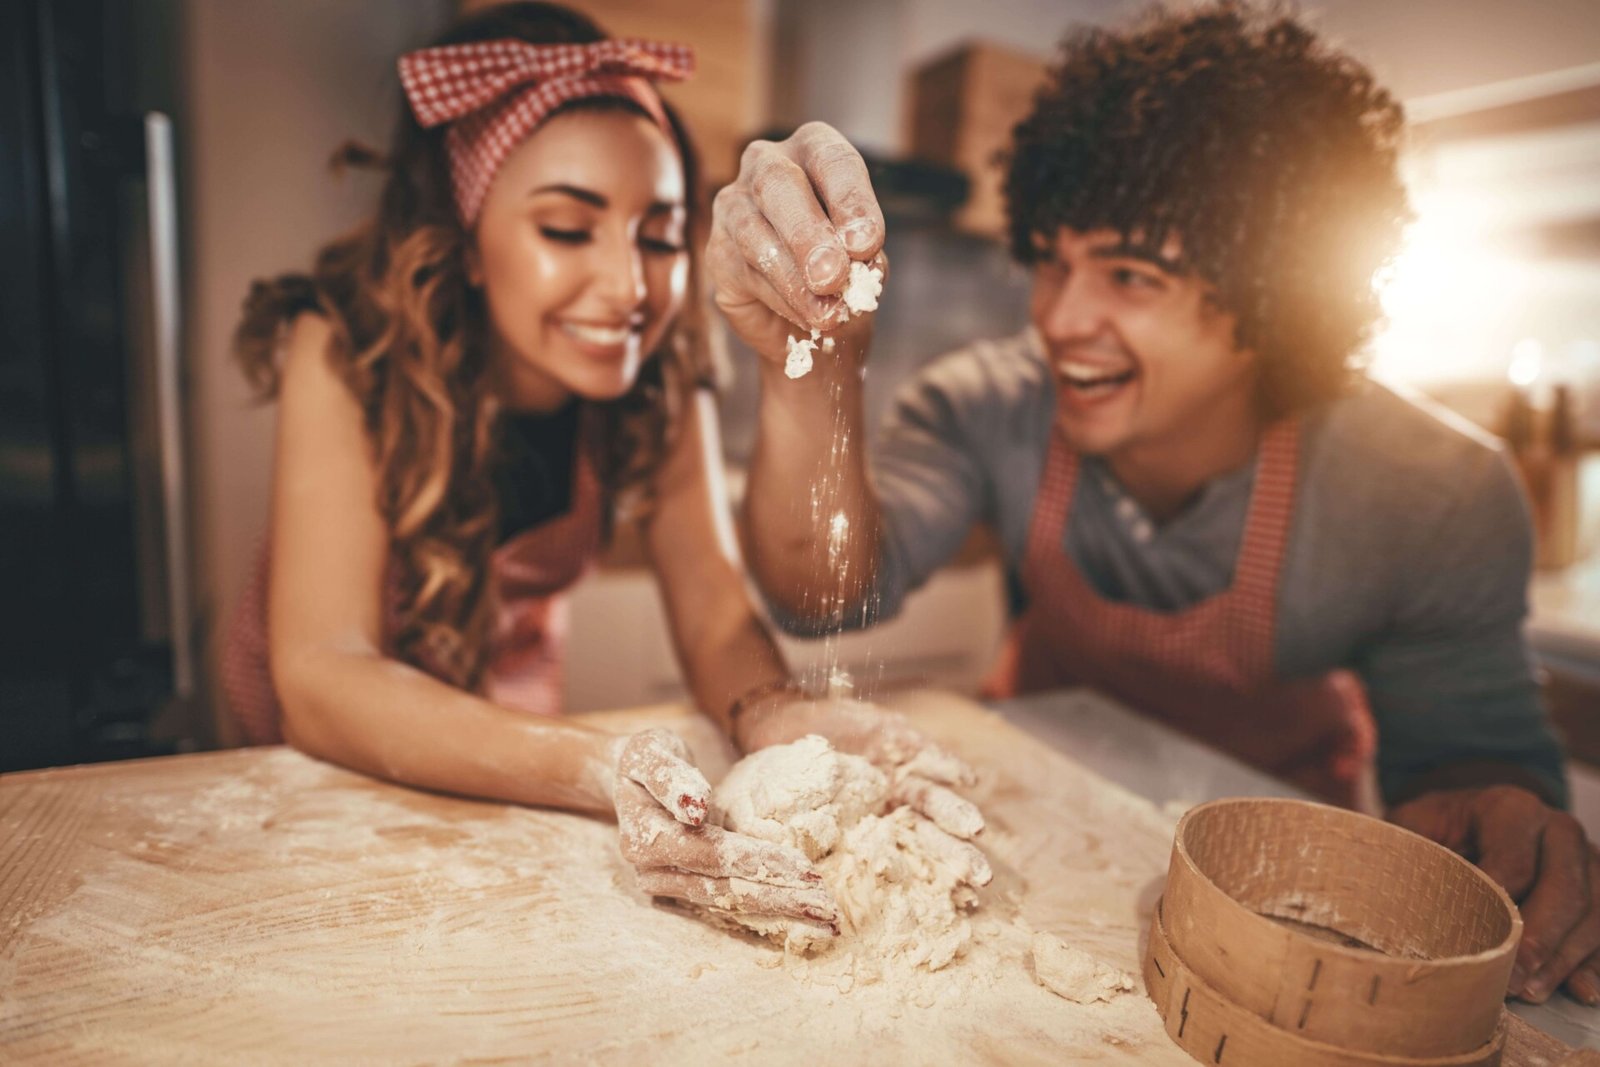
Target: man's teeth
[[1092, 374], [597, 335]]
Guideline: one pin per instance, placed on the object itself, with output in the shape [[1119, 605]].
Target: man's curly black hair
[[1272, 157]]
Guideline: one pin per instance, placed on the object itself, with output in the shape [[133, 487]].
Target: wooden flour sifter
[[1293, 933]]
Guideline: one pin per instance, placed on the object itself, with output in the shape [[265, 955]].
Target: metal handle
[[161, 189]]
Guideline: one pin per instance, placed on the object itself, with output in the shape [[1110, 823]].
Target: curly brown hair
[[1271, 156], [409, 341]]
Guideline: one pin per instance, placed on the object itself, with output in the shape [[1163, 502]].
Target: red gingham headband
[[495, 92]]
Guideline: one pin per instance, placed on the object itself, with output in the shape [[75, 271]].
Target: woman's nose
[[621, 274]]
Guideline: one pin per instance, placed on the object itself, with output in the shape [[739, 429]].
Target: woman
[[468, 385]]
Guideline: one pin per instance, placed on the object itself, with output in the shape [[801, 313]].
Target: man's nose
[[1073, 312]]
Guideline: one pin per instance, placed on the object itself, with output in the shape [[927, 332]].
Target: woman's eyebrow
[[588, 196]]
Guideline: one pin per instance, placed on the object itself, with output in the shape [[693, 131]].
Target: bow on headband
[[494, 93]]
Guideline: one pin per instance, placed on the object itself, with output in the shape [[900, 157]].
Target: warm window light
[[1526, 360], [1443, 295]]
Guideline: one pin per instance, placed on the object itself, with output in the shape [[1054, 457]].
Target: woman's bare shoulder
[[312, 388], [308, 339]]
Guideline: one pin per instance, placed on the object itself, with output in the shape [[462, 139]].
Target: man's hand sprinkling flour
[[669, 831], [796, 249], [797, 266]]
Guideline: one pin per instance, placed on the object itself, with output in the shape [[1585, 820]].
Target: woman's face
[[580, 253]]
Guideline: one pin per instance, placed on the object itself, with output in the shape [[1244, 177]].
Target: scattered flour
[[860, 294], [277, 902], [903, 886], [1072, 973]]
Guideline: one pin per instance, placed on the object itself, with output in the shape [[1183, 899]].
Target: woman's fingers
[[953, 814], [650, 838], [659, 760], [742, 896]]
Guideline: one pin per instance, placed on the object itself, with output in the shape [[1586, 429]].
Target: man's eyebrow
[[588, 196], [1129, 250]]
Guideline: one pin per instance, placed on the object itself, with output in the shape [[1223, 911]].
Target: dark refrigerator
[[97, 627]]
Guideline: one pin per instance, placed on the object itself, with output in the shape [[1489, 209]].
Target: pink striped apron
[[531, 574], [1206, 670]]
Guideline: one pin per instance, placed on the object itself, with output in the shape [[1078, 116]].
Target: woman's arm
[[343, 700]]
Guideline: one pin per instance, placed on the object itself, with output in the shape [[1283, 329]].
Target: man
[[1211, 517]]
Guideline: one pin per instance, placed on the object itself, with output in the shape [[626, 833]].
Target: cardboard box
[[963, 107]]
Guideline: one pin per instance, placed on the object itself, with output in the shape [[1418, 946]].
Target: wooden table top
[[261, 906]]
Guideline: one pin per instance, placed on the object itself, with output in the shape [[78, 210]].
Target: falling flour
[[903, 886], [860, 294]]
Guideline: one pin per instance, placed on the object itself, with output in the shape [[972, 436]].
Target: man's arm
[[812, 523], [1465, 753], [784, 235], [1451, 681]]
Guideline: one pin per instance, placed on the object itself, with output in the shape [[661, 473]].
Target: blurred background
[[134, 468]]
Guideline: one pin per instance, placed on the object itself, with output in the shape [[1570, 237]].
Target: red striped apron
[[1208, 669]]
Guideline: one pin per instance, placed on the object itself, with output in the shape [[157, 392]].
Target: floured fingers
[[952, 813], [650, 838], [659, 761], [742, 896]]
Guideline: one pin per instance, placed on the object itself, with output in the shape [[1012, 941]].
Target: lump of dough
[[803, 794], [1070, 972]]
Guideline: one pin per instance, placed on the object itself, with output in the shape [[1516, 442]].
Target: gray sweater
[[1408, 558]]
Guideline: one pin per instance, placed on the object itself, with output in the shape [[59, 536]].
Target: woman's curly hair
[[1271, 157], [409, 337]]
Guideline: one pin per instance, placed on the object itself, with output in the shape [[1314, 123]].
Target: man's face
[[1142, 355]]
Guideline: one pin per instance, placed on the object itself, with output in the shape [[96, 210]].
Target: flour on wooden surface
[[1070, 972], [295, 912]]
